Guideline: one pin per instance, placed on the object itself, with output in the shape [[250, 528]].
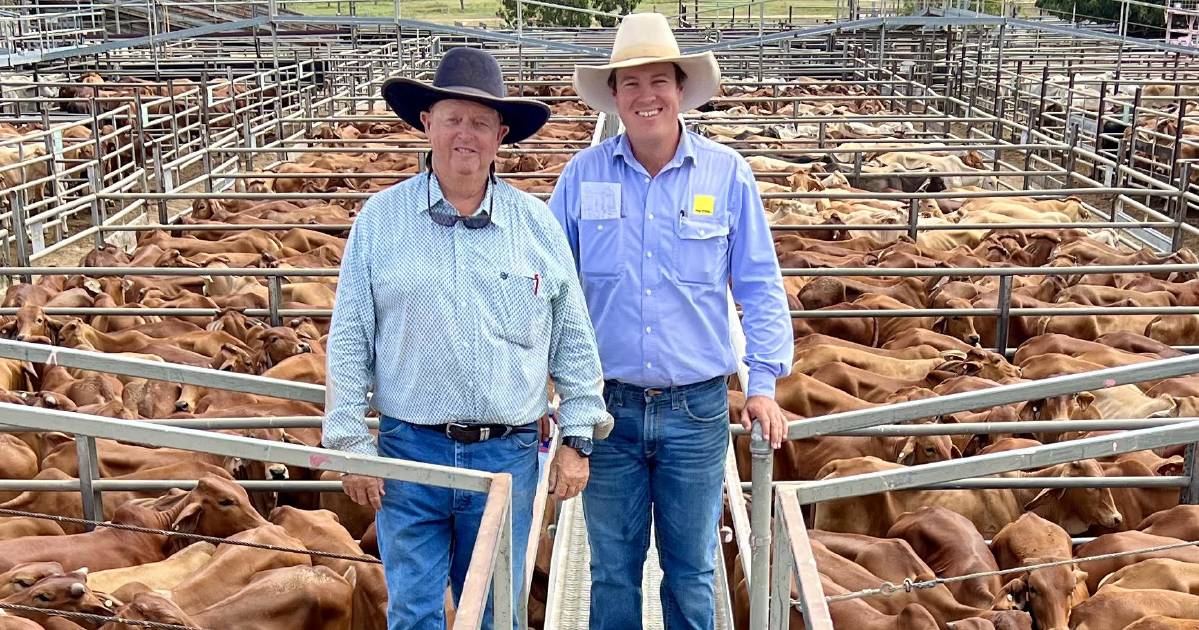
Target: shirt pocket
[[601, 246], [701, 251], [521, 306]]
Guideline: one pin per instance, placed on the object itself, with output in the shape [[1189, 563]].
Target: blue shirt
[[656, 255], [451, 324]]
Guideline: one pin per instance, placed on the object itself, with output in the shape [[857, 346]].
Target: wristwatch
[[583, 446]]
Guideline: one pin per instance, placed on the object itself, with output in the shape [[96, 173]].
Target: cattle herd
[[841, 364]]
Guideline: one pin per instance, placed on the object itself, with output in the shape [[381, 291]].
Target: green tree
[[535, 15], [1142, 20], [993, 7], [623, 7], [565, 17]]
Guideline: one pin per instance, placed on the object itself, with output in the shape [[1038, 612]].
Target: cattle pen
[[983, 222]]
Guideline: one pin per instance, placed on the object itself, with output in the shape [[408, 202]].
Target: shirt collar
[[438, 202], [685, 150]]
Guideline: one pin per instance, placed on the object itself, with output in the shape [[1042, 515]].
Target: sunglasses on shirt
[[448, 220]]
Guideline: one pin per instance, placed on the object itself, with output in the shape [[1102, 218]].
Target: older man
[[660, 220], [456, 299]]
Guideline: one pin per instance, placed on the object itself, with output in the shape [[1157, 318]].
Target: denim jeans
[[427, 533], [665, 454]]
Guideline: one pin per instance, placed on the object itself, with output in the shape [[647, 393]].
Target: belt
[[667, 389], [471, 433]]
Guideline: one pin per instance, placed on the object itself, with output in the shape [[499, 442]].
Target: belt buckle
[[467, 434], [653, 391]]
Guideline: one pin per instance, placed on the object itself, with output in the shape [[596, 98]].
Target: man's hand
[[766, 410], [364, 490], [568, 473]]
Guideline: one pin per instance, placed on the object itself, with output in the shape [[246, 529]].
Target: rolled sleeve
[[351, 351], [758, 288]]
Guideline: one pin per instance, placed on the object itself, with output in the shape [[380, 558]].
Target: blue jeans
[[666, 453], [427, 533]]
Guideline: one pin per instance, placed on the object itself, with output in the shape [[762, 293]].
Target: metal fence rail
[[490, 567], [964, 473]]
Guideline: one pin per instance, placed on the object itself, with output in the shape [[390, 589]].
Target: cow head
[[25, 575], [1077, 509], [926, 449], [68, 592], [231, 358], [1048, 594], [34, 326], [1077, 406], [216, 507], [959, 326], [150, 606], [189, 398], [279, 343], [74, 334], [305, 328]]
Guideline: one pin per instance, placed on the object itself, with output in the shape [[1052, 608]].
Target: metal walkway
[[569, 604]]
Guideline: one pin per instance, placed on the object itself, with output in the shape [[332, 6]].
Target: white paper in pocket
[[600, 200]]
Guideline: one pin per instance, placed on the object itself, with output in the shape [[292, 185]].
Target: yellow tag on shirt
[[704, 205]]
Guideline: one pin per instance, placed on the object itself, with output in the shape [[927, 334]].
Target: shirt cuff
[[361, 445], [584, 431], [761, 383]]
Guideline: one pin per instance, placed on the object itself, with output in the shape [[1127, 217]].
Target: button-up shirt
[[451, 324], [656, 253]]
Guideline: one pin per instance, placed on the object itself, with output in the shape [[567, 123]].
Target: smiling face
[[465, 137], [647, 99]]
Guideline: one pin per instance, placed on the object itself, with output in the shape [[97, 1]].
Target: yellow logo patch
[[704, 205]]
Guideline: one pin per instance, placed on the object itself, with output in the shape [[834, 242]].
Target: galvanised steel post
[[759, 539]]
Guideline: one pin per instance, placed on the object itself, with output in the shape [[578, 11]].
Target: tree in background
[[1142, 20], [545, 16], [623, 7]]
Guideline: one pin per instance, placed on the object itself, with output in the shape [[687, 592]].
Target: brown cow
[[1115, 608], [1180, 521], [233, 566], [1124, 542], [216, 507], [1047, 593], [68, 593], [948, 542], [319, 530]]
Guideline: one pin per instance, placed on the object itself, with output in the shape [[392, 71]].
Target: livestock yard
[[985, 229]]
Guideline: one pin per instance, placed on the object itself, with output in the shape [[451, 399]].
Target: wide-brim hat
[[645, 38], [467, 74]]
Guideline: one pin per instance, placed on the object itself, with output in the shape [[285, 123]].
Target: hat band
[[652, 51], [466, 89]]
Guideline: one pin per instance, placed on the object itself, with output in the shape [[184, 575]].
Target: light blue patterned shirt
[[656, 256], [450, 324]]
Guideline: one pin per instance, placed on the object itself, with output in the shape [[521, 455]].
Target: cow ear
[[939, 325], [291, 439], [906, 454], [954, 452], [188, 520], [976, 443], [1170, 467], [1080, 576], [1084, 399], [1015, 591], [1046, 495], [31, 383]]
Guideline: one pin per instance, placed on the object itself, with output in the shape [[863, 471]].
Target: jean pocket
[[707, 406], [393, 430], [524, 439], [701, 251]]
